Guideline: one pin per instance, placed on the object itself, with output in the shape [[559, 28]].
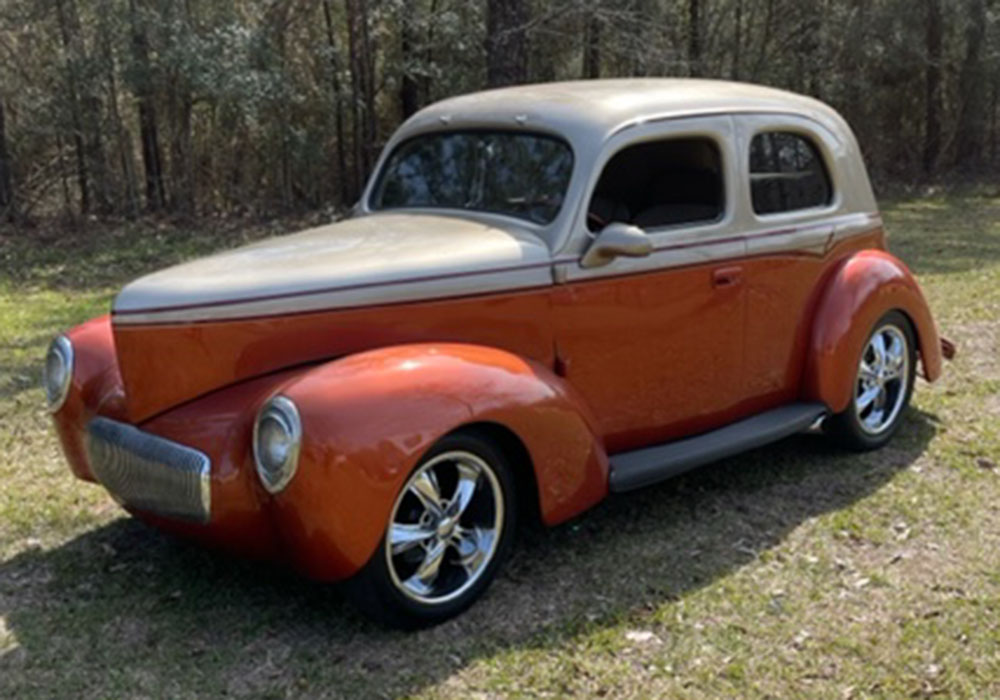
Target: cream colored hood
[[377, 259]]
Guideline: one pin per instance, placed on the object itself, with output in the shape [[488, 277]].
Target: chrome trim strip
[[685, 248], [374, 294], [150, 473], [329, 290]]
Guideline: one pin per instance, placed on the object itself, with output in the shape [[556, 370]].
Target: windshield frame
[[376, 182]]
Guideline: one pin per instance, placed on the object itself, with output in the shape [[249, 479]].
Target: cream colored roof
[[597, 108]]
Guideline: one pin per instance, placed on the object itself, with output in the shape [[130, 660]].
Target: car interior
[[660, 183]]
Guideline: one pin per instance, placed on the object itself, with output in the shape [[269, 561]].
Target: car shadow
[[124, 610]]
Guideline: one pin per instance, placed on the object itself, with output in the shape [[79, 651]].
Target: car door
[[655, 344]]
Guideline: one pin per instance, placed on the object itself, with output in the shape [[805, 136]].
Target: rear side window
[[787, 173]]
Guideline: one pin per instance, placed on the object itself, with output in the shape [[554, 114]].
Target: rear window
[[787, 173]]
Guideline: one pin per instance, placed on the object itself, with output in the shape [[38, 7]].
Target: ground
[[794, 571]]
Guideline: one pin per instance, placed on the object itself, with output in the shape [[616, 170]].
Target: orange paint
[[863, 288], [655, 355], [368, 419], [225, 352]]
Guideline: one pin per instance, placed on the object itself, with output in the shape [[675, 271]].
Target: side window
[[660, 183], [787, 173]]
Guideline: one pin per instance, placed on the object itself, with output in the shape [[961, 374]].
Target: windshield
[[503, 172]]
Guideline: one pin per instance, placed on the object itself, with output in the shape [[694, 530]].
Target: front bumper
[[146, 472]]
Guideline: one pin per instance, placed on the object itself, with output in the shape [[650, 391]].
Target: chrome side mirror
[[615, 240]]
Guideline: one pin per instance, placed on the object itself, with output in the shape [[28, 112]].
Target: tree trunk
[[354, 21], [126, 162], [182, 178], [409, 88], [734, 72], [592, 45], [7, 204], [694, 37], [506, 42], [152, 159], [338, 104], [854, 105], [993, 121], [932, 83], [971, 133], [426, 94], [765, 40], [181, 161], [368, 68], [76, 119]]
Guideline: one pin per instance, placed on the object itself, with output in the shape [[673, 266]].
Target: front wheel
[[882, 386], [449, 530]]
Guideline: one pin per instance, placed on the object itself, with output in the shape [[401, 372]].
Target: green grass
[[793, 571]]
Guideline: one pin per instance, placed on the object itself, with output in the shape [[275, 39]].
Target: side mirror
[[615, 240]]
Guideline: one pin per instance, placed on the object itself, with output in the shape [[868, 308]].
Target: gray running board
[[638, 468]]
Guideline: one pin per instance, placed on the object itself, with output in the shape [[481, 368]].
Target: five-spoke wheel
[[449, 530], [883, 376], [882, 386], [444, 527]]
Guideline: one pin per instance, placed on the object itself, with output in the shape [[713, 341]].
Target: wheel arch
[[865, 287], [368, 420], [520, 461]]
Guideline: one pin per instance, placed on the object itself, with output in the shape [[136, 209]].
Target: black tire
[[377, 590], [846, 429]]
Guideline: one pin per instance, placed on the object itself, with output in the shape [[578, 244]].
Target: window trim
[[821, 148], [701, 126]]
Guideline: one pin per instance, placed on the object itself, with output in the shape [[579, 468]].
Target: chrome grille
[[149, 473]]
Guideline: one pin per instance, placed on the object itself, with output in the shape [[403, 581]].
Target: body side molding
[[638, 468]]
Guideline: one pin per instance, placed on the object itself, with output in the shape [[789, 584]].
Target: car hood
[[377, 259]]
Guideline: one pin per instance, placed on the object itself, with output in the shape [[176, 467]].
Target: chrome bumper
[[149, 473]]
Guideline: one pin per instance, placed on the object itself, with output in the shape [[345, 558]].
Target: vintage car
[[545, 294]]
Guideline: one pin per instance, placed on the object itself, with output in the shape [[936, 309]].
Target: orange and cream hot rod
[[545, 294]]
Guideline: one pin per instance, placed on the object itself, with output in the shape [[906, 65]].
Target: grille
[[149, 473]]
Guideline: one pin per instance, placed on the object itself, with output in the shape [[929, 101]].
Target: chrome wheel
[[882, 381], [445, 527]]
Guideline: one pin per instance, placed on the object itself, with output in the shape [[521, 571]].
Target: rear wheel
[[882, 386], [449, 531]]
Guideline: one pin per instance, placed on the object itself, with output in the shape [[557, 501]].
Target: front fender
[[368, 418], [866, 286]]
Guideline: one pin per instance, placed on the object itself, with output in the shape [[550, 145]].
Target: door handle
[[727, 276]]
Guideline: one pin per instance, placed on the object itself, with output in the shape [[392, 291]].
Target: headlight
[[277, 436], [58, 373]]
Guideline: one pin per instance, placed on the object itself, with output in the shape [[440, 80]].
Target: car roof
[[599, 108]]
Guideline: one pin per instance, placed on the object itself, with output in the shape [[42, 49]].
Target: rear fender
[[865, 287], [368, 419]]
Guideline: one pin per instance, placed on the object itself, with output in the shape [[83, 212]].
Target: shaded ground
[[792, 571]]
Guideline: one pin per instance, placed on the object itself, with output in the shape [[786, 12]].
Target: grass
[[793, 571]]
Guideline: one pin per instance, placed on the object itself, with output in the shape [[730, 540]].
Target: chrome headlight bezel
[[278, 413], [56, 384]]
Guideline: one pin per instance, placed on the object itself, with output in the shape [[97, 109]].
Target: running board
[[633, 470]]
